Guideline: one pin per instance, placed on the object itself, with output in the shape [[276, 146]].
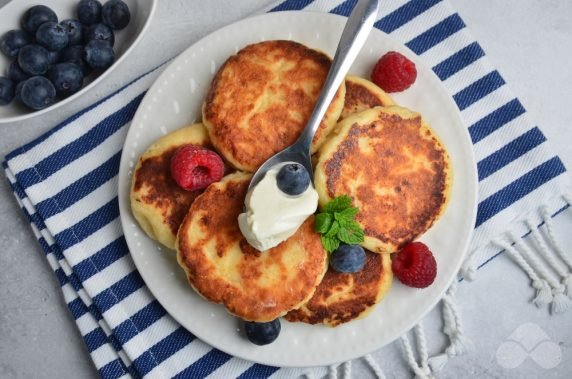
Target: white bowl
[[125, 40]]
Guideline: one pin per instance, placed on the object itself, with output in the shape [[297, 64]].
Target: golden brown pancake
[[361, 94], [223, 268], [261, 98], [157, 202], [395, 169], [342, 297]]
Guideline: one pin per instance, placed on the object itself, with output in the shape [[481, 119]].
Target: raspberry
[[394, 72], [194, 167], [414, 265]]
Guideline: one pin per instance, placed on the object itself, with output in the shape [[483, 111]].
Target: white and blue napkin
[[66, 183]]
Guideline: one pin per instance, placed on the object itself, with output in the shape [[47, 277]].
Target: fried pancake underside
[[342, 297]]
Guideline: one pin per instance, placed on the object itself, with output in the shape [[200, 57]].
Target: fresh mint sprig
[[337, 224]]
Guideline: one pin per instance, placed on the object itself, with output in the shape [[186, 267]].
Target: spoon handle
[[353, 37]]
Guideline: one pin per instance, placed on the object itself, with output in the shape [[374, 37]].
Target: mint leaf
[[349, 213], [338, 204], [334, 229], [346, 216], [323, 222], [330, 243], [337, 224], [352, 234]]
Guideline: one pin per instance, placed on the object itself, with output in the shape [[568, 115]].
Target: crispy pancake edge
[[336, 313]]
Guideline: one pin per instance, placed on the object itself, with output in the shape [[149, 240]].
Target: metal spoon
[[353, 37]]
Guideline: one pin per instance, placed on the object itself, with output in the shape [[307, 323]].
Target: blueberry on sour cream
[[262, 333], [293, 179], [348, 258]]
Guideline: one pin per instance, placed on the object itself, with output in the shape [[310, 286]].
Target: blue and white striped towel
[[66, 182]]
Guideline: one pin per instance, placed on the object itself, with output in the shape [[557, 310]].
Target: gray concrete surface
[[530, 42]]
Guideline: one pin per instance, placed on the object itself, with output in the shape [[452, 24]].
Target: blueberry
[[293, 179], [99, 54], [348, 258], [18, 92], [34, 59], [54, 57], [67, 78], [75, 54], [100, 32], [7, 90], [89, 12], [36, 16], [52, 36], [12, 41], [262, 333], [15, 72], [37, 92], [74, 30], [115, 14]]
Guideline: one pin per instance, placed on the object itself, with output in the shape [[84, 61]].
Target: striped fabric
[[66, 183]]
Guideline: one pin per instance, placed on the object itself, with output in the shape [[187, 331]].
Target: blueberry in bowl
[[33, 42], [116, 14], [12, 41], [37, 92], [99, 54], [67, 78], [15, 73], [52, 36], [74, 30], [36, 16], [89, 12], [34, 59], [7, 90], [100, 32], [75, 54]]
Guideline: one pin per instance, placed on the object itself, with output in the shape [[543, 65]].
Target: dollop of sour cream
[[271, 215]]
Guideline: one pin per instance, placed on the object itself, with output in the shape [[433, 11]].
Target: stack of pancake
[[382, 155]]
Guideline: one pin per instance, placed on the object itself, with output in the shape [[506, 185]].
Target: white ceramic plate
[[125, 41], [174, 101]]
